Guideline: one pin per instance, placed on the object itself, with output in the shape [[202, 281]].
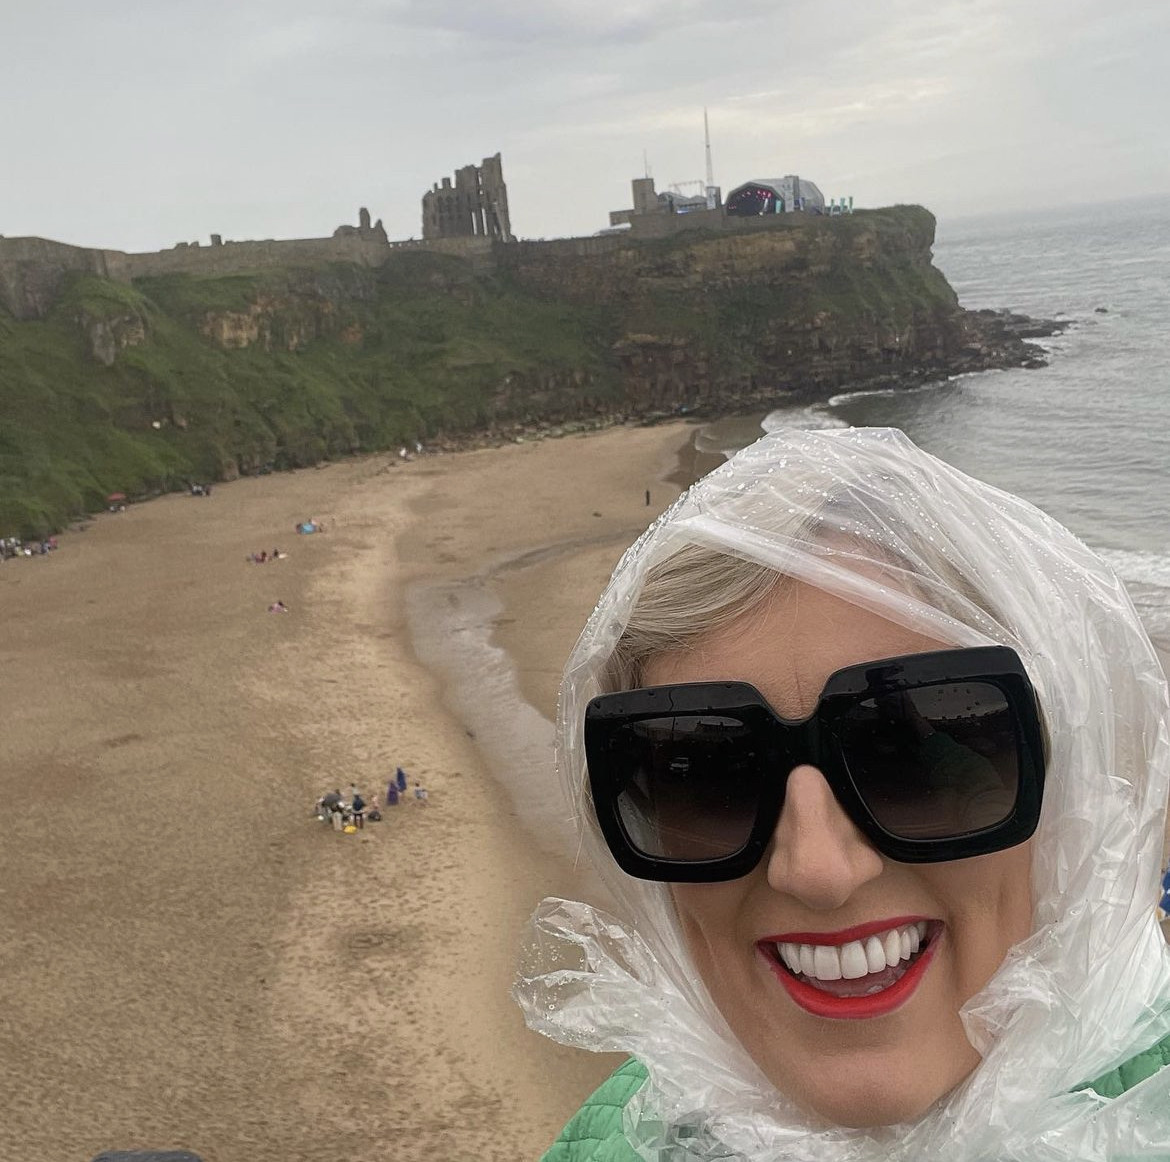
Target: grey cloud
[[146, 123]]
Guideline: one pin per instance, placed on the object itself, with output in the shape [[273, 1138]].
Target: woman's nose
[[817, 854]]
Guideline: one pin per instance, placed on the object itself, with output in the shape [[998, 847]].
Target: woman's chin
[[873, 1111], [869, 1100]]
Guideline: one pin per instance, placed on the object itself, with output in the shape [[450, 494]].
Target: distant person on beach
[[420, 795], [329, 804], [357, 806], [278, 607], [873, 760], [392, 795], [400, 779]]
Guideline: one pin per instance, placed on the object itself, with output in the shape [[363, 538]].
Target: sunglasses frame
[[787, 743]]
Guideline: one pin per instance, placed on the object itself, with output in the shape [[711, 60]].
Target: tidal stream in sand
[[452, 625]]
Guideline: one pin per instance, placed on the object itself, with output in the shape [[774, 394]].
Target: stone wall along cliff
[[33, 272]]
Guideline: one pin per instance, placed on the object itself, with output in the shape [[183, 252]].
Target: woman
[[873, 758]]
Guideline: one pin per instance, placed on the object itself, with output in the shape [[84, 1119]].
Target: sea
[[1086, 438]]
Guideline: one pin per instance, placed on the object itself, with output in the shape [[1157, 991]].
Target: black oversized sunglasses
[[936, 756]]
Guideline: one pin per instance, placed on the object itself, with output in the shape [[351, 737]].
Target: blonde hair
[[689, 595], [698, 590]]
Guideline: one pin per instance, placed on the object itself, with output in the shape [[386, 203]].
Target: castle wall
[[33, 270], [517, 253], [238, 257], [666, 225]]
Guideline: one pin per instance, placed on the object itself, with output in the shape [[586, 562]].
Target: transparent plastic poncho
[[1090, 987]]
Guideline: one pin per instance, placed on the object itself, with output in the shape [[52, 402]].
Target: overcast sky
[[132, 124]]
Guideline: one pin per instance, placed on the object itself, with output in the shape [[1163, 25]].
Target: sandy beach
[[189, 959]]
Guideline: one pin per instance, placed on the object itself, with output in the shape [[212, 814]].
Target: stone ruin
[[476, 205], [363, 230]]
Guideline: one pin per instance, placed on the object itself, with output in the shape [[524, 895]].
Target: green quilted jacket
[[594, 1134]]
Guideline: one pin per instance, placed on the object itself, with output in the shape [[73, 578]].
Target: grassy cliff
[[147, 386]]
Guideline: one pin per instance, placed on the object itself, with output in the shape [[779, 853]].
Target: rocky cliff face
[[737, 320], [177, 376], [106, 336]]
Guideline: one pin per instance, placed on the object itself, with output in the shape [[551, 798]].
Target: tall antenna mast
[[711, 195], [707, 141]]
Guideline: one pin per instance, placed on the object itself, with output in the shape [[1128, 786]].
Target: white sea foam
[[1146, 575], [814, 417], [1139, 566], [844, 397]]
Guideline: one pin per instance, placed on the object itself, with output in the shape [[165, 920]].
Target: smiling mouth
[[860, 968]]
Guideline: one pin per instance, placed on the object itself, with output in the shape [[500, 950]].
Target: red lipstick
[[820, 1003], [845, 935]]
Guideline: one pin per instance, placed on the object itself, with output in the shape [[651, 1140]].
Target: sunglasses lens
[[690, 784], [933, 762]]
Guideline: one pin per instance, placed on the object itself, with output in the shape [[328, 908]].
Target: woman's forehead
[[788, 645]]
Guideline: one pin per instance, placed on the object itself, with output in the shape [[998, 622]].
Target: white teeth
[[826, 962], [853, 961], [856, 959]]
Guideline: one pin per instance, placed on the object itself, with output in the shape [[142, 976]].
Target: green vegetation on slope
[[355, 361]]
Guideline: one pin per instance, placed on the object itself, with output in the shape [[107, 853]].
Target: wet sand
[[188, 959]]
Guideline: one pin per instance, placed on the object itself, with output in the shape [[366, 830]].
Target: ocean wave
[[845, 397], [1139, 566], [813, 418], [1146, 576]]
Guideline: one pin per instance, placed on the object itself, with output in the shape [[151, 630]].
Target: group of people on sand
[[352, 813], [15, 547]]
